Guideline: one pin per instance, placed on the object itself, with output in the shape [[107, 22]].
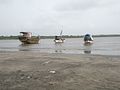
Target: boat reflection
[[58, 48], [26, 47], [87, 49]]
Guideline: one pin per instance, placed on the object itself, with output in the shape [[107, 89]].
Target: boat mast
[[61, 33]]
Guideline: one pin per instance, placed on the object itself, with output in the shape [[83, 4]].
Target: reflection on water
[[26, 47], [101, 45], [58, 47], [87, 48]]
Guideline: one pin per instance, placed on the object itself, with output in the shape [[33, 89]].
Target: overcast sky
[[49, 17]]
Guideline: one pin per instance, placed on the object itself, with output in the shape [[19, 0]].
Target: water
[[101, 45]]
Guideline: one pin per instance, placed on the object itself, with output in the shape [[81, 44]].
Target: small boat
[[27, 38], [59, 39], [88, 39]]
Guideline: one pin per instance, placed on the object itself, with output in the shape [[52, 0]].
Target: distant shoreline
[[64, 36]]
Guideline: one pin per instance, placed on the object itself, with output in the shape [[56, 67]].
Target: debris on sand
[[52, 71]]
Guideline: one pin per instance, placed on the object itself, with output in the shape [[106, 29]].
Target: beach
[[54, 71]]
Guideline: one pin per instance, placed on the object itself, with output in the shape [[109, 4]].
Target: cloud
[[48, 16], [5, 1], [77, 5]]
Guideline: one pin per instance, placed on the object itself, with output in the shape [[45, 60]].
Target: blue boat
[[88, 39]]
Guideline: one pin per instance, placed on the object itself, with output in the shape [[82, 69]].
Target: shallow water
[[101, 45]]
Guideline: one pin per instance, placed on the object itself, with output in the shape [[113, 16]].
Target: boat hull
[[88, 42], [32, 40], [59, 41]]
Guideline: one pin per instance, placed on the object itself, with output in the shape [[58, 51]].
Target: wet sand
[[44, 71]]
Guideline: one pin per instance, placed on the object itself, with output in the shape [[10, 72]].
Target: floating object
[[27, 38], [52, 72], [88, 39], [59, 39]]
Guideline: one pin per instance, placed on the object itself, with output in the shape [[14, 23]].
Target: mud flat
[[44, 71]]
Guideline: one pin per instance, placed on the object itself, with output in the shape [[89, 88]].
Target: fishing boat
[[59, 39], [88, 39], [27, 38]]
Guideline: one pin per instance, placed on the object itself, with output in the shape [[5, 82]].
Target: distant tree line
[[8, 37], [64, 36]]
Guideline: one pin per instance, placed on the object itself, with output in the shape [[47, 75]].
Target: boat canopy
[[26, 34], [88, 37]]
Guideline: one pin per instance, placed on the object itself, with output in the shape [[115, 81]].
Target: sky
[[49, 17]]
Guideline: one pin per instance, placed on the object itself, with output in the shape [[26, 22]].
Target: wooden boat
[[27, 38], [59, 39], [88, 39]]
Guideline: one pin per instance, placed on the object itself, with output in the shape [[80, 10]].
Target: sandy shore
[[43, 71]]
